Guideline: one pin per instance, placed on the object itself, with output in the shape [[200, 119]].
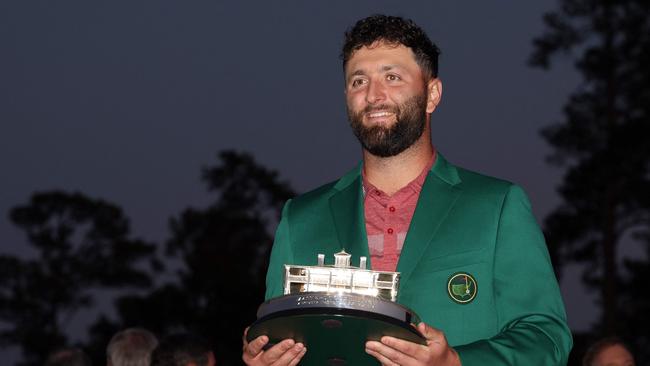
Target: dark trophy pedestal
[[334, 326]]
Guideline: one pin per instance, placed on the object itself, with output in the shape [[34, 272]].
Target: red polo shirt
[[388, 219]]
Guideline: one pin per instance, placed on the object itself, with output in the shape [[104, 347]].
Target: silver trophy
[[341, 278], [334, 310]]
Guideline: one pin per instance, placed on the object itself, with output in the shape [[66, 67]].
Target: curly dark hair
[[392, 30]]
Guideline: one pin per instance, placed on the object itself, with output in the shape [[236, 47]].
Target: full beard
[[389, 141]]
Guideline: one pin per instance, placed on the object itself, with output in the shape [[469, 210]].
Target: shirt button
[[378, 192], [391, 209], [390, 230]]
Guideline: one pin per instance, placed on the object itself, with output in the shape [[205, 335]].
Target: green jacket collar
[[439, 193]]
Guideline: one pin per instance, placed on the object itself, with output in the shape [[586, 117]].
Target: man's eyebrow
[[360, 72], [388, 67]]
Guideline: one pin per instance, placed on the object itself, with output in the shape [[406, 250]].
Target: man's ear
[[434, 93]]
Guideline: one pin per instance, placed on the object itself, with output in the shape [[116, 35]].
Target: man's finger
[[390, 353], [435, 338], [289, 355], [297, 359], [243, 339], [414, 350], [244, 344], [274, 353], [381, 358], [432, 335], [256, 345], [427, 331]]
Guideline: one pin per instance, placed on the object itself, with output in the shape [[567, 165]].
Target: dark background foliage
[[84, 245], [603, 146], [127, 97]]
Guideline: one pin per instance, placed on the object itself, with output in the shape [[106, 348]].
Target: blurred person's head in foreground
[[131, 347], [608, 352]]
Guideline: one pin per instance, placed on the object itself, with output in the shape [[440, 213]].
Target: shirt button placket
[[391, 219]]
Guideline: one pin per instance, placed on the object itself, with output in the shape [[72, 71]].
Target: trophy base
[[333, 327]]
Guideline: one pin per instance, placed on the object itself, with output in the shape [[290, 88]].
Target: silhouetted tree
[[603, 141], [223, 250], [635, 304], [82, 245]]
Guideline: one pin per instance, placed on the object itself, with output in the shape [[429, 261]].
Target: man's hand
[[285, 353], [392, 351]]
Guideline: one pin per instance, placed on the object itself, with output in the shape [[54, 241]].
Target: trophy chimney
[[342, 259]]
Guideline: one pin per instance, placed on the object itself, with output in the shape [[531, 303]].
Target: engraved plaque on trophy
[[334, 310]]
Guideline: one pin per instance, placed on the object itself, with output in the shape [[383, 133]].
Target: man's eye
[[357, 82], [391, 77]]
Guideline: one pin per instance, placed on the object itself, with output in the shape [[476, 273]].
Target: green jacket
[[466, 223]]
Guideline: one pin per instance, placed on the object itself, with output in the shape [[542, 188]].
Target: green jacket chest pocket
[[453, 294]]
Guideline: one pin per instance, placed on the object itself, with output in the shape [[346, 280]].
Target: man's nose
[[376, 92]]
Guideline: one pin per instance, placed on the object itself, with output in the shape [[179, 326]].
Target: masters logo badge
[[462, 287]]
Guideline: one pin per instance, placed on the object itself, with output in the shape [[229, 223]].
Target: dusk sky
[[127, 100]]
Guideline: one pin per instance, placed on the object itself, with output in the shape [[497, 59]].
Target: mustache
[[381, 107]]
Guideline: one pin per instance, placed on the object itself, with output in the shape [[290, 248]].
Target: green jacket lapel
[[438, 195], [347, 211]]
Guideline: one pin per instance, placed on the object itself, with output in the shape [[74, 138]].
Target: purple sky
[[127, 100]]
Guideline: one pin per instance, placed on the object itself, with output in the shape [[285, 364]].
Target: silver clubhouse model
[[341, 278]]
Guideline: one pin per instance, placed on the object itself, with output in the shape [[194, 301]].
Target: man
[[131, 347], [183, 349], [608, 352], [473, 261]]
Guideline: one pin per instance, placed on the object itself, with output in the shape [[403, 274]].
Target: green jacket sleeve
[[280, 255], [531, 316]]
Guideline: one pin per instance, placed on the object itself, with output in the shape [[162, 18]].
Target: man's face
[[387, 98], [615, 355]]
